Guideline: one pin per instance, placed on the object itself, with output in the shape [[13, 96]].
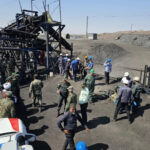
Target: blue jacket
[[75, 64]]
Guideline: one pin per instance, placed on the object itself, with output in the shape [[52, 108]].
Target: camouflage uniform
[[36, 91], [11, 66], [72, 99], [15, 86], [63, 94], [90, 84], [7, 108]]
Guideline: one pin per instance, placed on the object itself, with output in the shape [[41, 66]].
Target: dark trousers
[[75, 74], [68, 74], [69, 141], [122, 106], [107, 77], [60, 102], [84, 112]]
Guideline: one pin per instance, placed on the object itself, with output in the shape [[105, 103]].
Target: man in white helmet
[[61, 64], [124, 99], [127, 76]]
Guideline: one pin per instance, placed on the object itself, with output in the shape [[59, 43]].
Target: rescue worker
[[35, 90], [61, 64], [136, 91], [81, 70], [62, 90], [75, 67], [126, 76], [86, 60], [67, 69], [124, 100], [15, 86], [70, 125], [89, 81], [66, 59], [7, 107], [83, 101], [11, 66], [72, 98], [108, 68]]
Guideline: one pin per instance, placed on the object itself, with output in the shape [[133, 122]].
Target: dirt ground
[[105, 134]]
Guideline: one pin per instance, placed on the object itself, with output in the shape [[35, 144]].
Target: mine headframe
[[24, 38]]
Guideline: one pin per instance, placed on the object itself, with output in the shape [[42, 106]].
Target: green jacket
[[63, 87], [136, 90], [7, 108], [72, 99], [90, 82], [36, 87]]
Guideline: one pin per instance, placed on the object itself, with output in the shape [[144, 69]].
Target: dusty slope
[[104, 135]]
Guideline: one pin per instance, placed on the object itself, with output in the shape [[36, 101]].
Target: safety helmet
[[69, 59], [90, 57], [60, 54], [7, 85], [86, 57], [81, 146], [126, 74], [66, 54], [136, 79], [125, 81], [109, 60], [92, 71], [77, 58]]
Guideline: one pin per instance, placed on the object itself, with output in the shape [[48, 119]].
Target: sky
[[104, 15]]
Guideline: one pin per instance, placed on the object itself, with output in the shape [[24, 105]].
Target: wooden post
[[145, 76], [141, 76], [149, 79]]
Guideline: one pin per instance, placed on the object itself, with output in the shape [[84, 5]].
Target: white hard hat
[[126, 74], [78, 58], [136, 79], [7, 85], [69, 59], [60, 54], [125, 81], [66, 54]]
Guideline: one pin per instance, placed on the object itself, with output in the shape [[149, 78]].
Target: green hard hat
[[92, 71]]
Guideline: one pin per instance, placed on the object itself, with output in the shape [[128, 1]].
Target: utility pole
[[131, 27], [87, 20], [60, 25]]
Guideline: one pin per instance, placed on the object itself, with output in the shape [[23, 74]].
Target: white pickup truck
[[13, 135]]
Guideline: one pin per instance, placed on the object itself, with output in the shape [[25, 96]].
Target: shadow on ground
[[139, 112], [98, 121], [41, 145], [95, 122], [39, 131], [98, 146]]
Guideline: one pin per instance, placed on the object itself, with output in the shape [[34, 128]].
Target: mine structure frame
[[23, 37]]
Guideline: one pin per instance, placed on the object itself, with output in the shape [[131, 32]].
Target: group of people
[[69, 98], [128, 96], [10, 97], [128, 93], [70, 68]]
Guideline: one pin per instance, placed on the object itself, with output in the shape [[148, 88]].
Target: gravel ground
[[104, 133]]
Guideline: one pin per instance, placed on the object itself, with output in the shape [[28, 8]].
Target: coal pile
[[101, 52], [136, 39]]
